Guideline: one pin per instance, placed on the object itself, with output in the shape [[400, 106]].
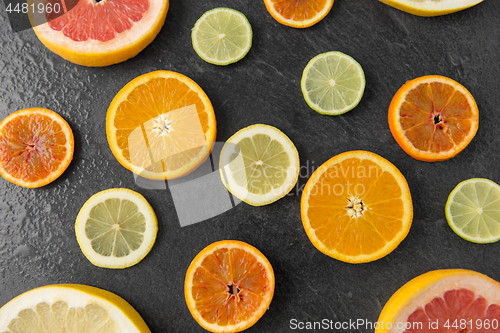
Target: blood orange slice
[[452, 301], [100, 33], [298, 13], [36, 146], [433, 118], [229, 286]]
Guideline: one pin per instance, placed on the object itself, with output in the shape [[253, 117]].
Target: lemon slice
[[116, 228], [431, 7], [333, 83], [473, 210], [70, 308], [259, 164], [222, 36]]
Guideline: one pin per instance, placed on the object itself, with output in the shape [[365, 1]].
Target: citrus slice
[[70, 308], [229, 286], [433, 118], [298, 13], [431, 7], [100, 33], [356, 207], [259, 164], [473, 210], [222, 36], [116, 228], [36, 147], [333, 83], [161, 125], [449, 300]]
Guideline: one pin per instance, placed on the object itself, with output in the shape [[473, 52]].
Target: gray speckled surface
[[37, 241]]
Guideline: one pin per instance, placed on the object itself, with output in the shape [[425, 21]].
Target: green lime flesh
[[333, 83], [473, 210], [222, 36]]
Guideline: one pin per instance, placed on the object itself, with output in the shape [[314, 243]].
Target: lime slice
[[259, 164], [116, 228], [473, 210], [222, 36], [333, 83]]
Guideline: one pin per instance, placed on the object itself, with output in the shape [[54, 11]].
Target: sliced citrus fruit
[[333, 83], [116, 228], [431, 7], [222, 36], [259, 164], [433, 118], [100, 33], [356, 207], [161, 125], [36, 147], [298, 13], [449, 300], [473, 210], [70, 308], [229, 286]]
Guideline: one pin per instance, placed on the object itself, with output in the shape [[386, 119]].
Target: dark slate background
[[37, 241]]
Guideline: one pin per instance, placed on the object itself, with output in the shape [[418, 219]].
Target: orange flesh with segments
[[100, 21], [135, 119], [435, 117], [455, 305], [33, 147], [358, 209], [229, 286], [299, 10]]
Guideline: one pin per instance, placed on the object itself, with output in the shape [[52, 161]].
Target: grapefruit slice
[[298, 13], [433, 118], [229, 286], [451, 300], [101, 33], [70, 308], [36, 147]]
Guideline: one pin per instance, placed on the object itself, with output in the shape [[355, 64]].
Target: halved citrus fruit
[[70, 308], [100, 33], [431, 7], [449, 300], [229, 286], [222, 36], [259, 164], [36, 147], [298, 13], [433, 118], [161, 125], [116, 228], [473, 210], [356, 207]]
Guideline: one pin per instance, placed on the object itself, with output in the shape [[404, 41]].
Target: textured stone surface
[[37, 240]]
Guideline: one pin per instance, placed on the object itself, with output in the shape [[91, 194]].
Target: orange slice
[[36, 146], [161, 125], [356, 207], [433, 118], [298, 13], [229, 286], [449, 300], [100, 33]]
